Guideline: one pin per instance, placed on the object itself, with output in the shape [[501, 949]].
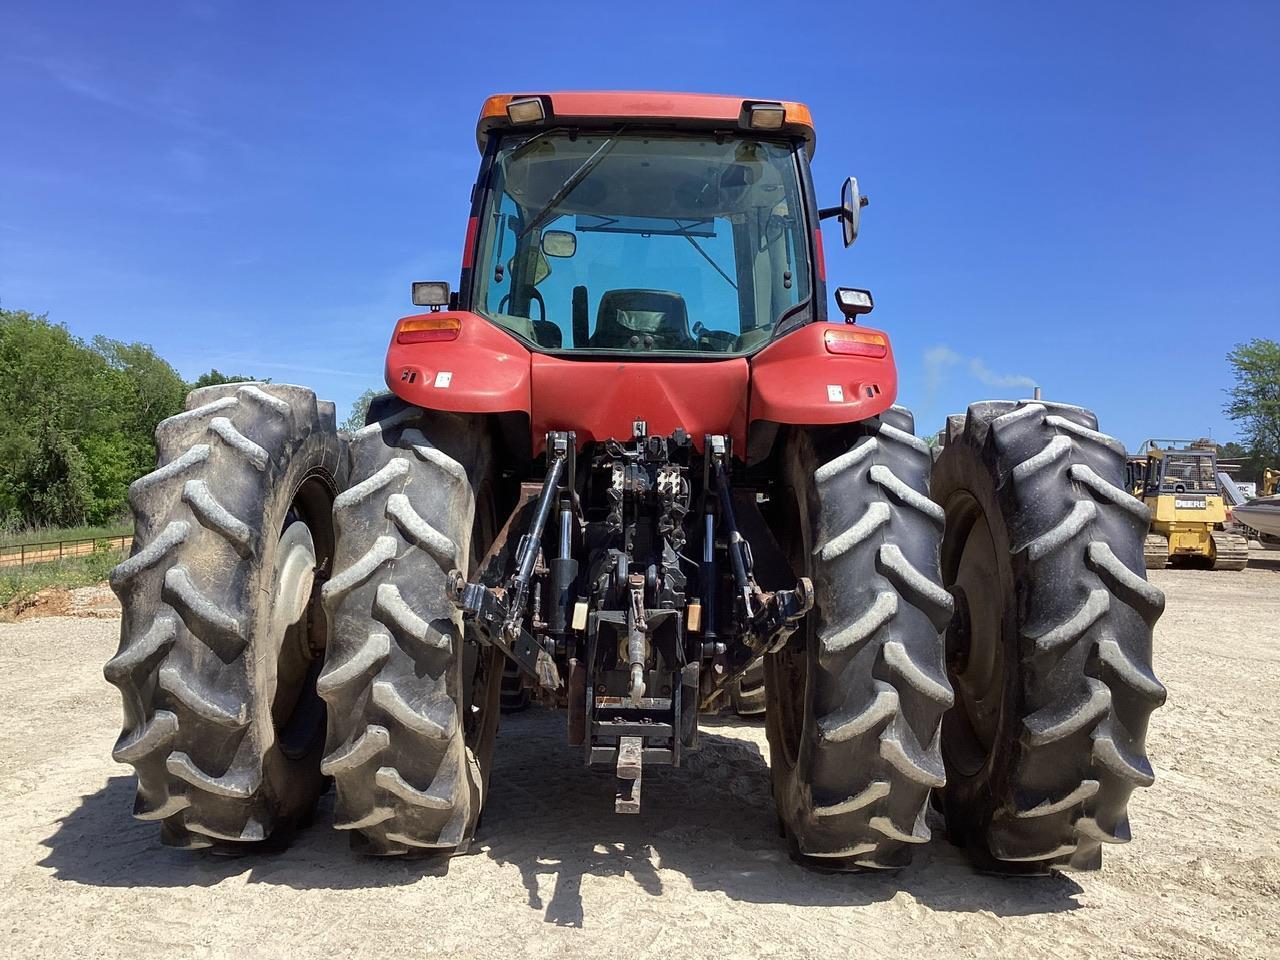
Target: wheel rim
[[295, 621], [974, 640], [791, 667]]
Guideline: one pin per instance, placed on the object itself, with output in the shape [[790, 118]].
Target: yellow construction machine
[[1182, 490]]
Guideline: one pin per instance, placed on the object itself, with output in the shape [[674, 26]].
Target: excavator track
[[1230, 551], [1155, 551]]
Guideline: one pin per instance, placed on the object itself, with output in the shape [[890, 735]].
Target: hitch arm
[[767, 619], [530, 544], [498, 613], [485, 608]]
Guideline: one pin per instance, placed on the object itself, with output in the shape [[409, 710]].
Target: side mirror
[[559, 243], [431, 293], [853, 303], [849, 211], [851, 204]]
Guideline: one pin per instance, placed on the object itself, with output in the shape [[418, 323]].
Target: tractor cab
[[607, 224], [613, 239]]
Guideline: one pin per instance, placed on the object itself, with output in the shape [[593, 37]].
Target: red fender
[[796, 379], [483, 370]]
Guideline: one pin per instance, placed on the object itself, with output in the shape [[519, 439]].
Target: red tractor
[[632, 458]]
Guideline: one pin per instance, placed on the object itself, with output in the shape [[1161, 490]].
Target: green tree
[[1254, 399], [216, 376], [50, 395], [145, 391], [76, 421], [359, 411], [150, 387]]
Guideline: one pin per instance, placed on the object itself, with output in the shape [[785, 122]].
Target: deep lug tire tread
[[747, 694], [869, 753], [197, 715], [395, 744], [1058, 783]]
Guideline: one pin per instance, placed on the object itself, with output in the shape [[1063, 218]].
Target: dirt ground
[[96, 601], [699, 873]]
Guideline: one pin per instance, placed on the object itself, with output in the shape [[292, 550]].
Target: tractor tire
[[413, 708], [855, 701], [1049, 652], [746, 694], [515, 695], [222, 633]]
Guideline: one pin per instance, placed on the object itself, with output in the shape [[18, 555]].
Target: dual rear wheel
[[982, 637], [275, 573], [982, 633]]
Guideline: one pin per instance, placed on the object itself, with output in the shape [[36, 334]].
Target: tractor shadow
[[99, 844], [712, 821]]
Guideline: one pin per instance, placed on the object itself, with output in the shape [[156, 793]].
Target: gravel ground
[[699, 873]]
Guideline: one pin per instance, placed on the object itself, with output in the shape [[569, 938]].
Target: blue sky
[[1081, 195]]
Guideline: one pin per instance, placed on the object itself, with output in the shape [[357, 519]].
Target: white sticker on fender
[[835, 393], [444, 378]]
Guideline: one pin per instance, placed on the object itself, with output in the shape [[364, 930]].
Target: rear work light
[[432, 329], [777, 114], [857, 343], [525, 110], [768, 116]]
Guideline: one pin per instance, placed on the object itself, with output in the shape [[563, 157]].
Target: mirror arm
[[826, 213]]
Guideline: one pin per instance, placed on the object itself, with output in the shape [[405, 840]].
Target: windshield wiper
[[705, 256], [566, 188]]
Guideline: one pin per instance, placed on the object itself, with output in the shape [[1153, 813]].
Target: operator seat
[[642, 320]]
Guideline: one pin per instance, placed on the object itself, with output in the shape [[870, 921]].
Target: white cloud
[[983, 373], [939, 360], [79, 79]]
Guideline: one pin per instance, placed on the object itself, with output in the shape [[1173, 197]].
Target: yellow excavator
[[1187, 510]]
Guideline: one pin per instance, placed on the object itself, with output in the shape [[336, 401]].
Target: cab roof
[[678, 110]]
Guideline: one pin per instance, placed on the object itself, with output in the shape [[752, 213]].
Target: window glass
[[642, 243]]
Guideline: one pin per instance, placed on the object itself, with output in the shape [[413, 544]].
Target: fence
[[26, 554]]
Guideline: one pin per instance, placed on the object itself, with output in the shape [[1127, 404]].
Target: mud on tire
[[1051, 658], [855, 702], [221, 721], [408, 754]]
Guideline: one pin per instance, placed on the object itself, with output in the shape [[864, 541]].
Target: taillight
[[428, 329], [857, 343]]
